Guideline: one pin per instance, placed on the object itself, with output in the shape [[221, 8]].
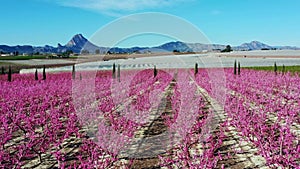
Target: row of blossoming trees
[[116, 71], [86, 119]]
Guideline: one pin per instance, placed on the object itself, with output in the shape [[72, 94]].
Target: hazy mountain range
[[79, 44]]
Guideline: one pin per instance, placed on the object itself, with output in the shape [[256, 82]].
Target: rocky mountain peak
[[77, 40]]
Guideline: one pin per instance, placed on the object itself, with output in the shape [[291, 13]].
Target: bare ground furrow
[[243, 154]]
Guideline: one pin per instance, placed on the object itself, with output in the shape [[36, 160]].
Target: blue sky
[[41, 22]]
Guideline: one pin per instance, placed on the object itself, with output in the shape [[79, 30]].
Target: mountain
[[254, 45], [198, 47], [20, 49], [186, 47], [79, 44], [77, 41], [287, 47], [76, 44], [171, 46]]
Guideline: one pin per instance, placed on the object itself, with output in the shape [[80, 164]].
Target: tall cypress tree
[[234, 68], [73, 72], [36, 77], [119, 73], [239, 68], [114, 71], [196, 68], [275, 68], [155, 71], [44, 72], [9, 78]]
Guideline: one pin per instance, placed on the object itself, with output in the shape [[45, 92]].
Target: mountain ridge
[[79, 44]]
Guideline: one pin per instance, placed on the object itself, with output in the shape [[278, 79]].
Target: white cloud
[[112, 7]]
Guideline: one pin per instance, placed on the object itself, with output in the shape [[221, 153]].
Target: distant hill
[[254, 45], [79, 44], [171, 46]]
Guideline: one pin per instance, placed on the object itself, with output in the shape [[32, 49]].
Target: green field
[[291, 69], [23, 57]]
